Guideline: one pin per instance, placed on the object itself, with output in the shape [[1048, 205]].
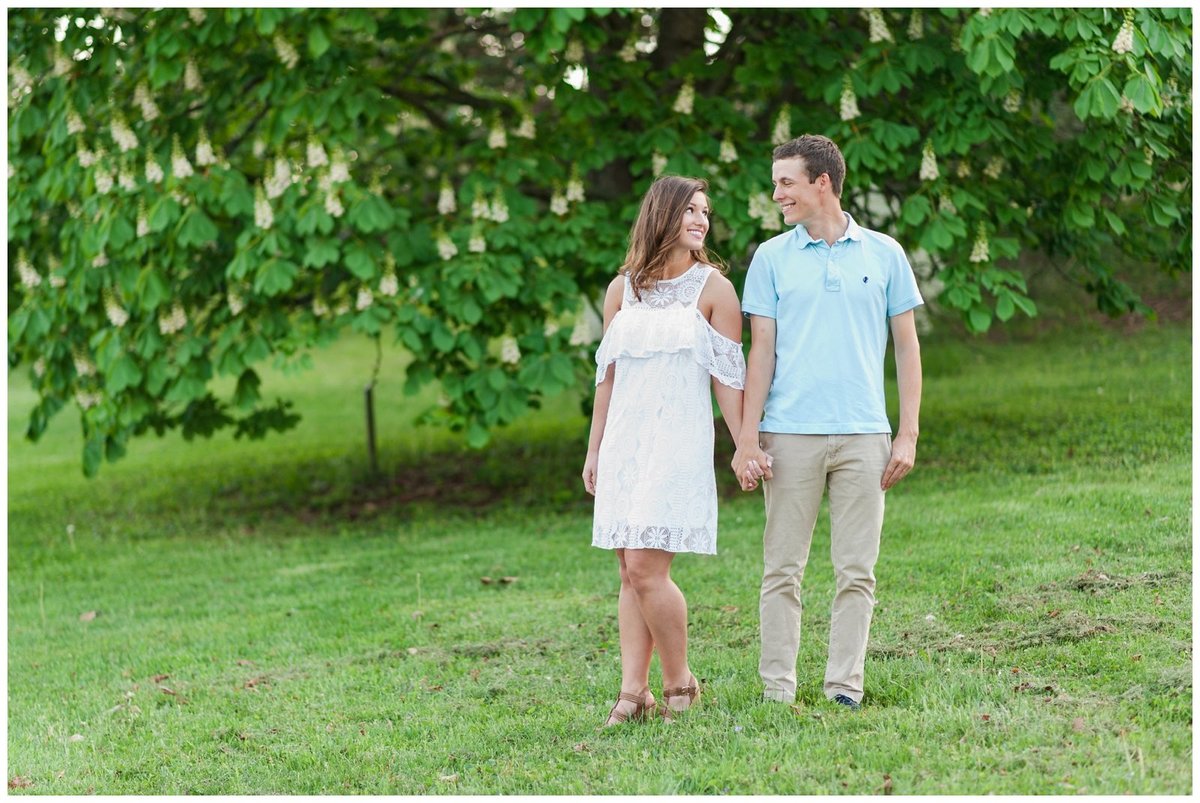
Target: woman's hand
[[589, 472]]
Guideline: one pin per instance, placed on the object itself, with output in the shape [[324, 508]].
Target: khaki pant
[[851, 466]]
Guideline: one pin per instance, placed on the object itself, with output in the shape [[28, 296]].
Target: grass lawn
[[227, 617]]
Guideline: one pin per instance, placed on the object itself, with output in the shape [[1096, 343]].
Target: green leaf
[[979, 319], [318, 41], [1143, 95], [275, 276], [197, 229], [319, 252], [359, 261], [124, 374], [152, 289], [1004, 307], [93, 453]]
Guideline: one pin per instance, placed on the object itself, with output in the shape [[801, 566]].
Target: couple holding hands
[[806, 412]]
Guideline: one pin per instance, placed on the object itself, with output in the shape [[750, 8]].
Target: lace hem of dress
[[657, 333], [624, 535]]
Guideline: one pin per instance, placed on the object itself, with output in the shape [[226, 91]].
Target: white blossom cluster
[[588, 326], [916, 26], [314, 153], [143, 98], [154, 171], [191, 77], [258, 147], [103, 180], [1124, 41], [287, 54], [877, 26], [728, 151], [1148, 152], [320, 308], [782, 131], [100, 261], [339, 167], [995, 167], [180, 166], [574, 52], [658, 163], [389, 285], [172, 322], [333, 204], [964, 169], [20, 82], [1012, 102], [1127, 105], [848, 105], [686, 98], [575, 193], [446, 247], [197, 15], [86, 158], [499, 211], [478, 243], [527, 129], [83, 365], [628, 53], [559, 204], [235, 301], [264, 218], [510, 352], [364, 298], [447, 203], [980, 251], [764, 209], [126, 180], [117, 315], [204, 150], [143, 223], [280, 179], [74, 122], [56, 278], [62, 63], [480, 208], [122, 134], [496, 136], [39, 367], [86, 399], [29, 277], [929, 165]]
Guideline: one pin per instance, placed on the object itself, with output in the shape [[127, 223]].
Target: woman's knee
[[645, 572]]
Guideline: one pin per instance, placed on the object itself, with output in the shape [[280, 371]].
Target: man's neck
[[829, 226]]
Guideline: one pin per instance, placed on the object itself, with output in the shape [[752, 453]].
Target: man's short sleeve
[[759, 296], [902, 291]]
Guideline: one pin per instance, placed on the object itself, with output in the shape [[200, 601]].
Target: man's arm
[[908, 378], [760, 370]]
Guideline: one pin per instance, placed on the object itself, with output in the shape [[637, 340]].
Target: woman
[[671, 319]]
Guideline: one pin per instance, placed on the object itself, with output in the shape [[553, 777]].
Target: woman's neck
[[678, 263]]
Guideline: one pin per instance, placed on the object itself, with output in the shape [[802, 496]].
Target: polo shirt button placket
[[833, 276]]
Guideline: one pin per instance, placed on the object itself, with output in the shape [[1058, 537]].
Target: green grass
[[269, 619]]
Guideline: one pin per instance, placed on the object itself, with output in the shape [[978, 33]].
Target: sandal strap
[[690, 691], [632, 698]]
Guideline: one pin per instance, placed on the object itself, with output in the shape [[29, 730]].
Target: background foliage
[[194, 193]]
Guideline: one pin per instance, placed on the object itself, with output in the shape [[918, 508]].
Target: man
[[821, 299]]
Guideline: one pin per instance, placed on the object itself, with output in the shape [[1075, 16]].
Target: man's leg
[[793, 498], [856, 519]]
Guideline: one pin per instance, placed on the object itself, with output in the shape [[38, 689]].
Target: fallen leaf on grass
[[159, 678], [75, 737], [985, 717], [582, 747], [1137, 657], [88, 616], [165, 690], [487, 581], [244, 662], [453, 778], [887, 784], [17, 782], [507, 580], [255, 682], [1077, 724]]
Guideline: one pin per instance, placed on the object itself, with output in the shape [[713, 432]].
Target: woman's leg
[[664, 610], [637, 645]]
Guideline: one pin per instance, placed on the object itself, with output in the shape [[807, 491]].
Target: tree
[[194, 192]]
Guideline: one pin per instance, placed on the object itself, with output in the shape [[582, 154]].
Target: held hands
[[750, 466]]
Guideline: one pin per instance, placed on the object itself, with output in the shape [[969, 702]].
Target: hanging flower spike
[[558, 203], [364, 299], [574, 52], [782, 132], [104, 179], [204, 150], [62, 63], [496, 136], [125, 180], [263, 217], [1124, 41], [191, 77], [728, 152], [29, 277], [628, 53], [980, 252], [315, 152], [929, 165], [658, 163], [143, 223], [478, 243], [527, 129], [480, 209], [333, 203], [235, 301], [447, 203], [197, 14], [320, 308], [964, 169], [83, 365], [74, 122], [575, 192], [143, 98], [258, 147], [280, 179], [1012, 102], [686, 98], [499, 207], [848, 106], [287, 54], [877, 26], [510, 352], [122, 134], [916, 26], [995, 167], [339, 167], [154, 172], [180, 166], [446, 247], [389, 285], [117, 316]]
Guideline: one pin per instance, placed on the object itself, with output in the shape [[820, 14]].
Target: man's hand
[[904, 456], [751, 464]]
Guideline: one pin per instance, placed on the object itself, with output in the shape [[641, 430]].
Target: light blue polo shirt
[[831, 307]]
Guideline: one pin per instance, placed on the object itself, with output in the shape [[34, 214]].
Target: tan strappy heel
[[691, 691], [642, 712]]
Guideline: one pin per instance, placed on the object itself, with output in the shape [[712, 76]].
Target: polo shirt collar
[[853, 232]]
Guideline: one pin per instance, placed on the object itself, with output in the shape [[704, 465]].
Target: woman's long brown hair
[[657, 229]]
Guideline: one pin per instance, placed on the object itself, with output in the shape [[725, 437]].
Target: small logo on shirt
[[864, 280]]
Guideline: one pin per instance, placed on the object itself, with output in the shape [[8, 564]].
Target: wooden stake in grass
[[369, 398]]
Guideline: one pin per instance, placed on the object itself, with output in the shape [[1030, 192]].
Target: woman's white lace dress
[[655, 485]]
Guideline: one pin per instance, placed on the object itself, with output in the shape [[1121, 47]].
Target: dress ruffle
[[642, 332]]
